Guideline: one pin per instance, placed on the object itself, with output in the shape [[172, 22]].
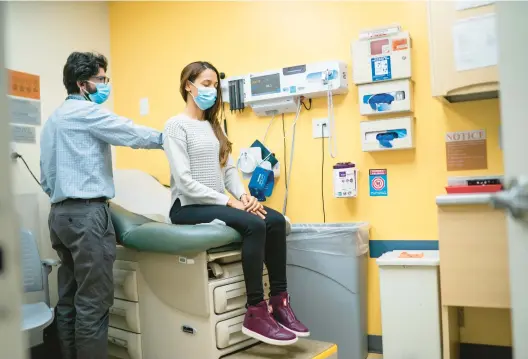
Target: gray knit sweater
[[196, 175]]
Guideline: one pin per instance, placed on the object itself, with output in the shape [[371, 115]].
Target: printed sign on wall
[[466, 150], [23, 134], [381, 68], [378, 182], [24, 98]]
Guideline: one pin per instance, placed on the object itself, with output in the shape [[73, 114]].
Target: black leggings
[[264, 241]]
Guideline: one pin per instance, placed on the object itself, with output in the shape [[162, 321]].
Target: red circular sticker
[[378, 183]]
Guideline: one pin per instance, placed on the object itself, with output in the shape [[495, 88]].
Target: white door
[[12, 343], [512, 29]]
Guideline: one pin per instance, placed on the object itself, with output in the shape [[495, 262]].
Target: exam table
[[179, 290]]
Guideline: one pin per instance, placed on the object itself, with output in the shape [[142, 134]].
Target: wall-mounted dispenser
[[390, 134], [386, 97], [345, 180], [381, 55]]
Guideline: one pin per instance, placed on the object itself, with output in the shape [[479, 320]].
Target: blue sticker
[[378, 183], [292, 89], [381, 68]]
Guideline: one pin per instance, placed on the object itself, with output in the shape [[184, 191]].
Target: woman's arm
[[175, 146], [232, 179]]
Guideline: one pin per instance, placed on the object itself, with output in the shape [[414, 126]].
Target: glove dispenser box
[[386, 97], [389, 134]]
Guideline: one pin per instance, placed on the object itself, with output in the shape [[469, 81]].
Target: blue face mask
[[206, 97], [102, 93]]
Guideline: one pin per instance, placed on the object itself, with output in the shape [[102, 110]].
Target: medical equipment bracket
[[279, 91]]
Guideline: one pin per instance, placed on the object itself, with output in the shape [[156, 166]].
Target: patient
[[201, 171]]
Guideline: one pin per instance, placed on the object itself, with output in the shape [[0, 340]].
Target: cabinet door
[[512, 31], [447, 22]]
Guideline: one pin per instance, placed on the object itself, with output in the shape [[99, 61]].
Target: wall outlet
[[318, 128]]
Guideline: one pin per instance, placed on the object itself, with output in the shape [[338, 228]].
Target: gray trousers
[[83, 235]]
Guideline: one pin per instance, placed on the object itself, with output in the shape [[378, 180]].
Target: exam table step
[[302, 349]]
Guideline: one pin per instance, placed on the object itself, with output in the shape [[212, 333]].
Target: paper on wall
[[475, 42], [470, 4], [23, 134], [144, 106], [23, 98]]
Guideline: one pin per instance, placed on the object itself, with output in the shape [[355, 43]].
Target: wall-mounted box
[[390, 134], [463, 50], [345, 180], [382, 58], [386, 97]]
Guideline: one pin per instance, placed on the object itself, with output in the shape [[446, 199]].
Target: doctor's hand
[[252, 205]]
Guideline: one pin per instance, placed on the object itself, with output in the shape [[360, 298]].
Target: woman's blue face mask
[[206, 97], [101, 94]]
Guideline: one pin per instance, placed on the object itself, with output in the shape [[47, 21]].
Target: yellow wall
[[151, 43]]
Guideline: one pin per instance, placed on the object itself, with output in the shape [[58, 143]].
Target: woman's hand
[[252, 205], [233, 203]]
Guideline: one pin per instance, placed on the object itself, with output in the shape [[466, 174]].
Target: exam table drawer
[[233, 296], [474, 269], [125, 315], [229, 332], [124, 345], [125, 281]]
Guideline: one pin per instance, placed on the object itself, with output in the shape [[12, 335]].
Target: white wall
[[39, 38]]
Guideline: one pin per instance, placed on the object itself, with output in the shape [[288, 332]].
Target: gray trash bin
[[327, 280]]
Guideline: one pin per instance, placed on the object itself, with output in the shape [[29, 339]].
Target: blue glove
[[385, 138], [379, 102]]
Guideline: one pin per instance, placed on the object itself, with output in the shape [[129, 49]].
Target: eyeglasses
[[102, 79]]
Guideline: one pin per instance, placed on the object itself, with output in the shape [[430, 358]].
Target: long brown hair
[[189, 74]]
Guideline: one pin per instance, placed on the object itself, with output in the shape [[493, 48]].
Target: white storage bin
[[410, 304]]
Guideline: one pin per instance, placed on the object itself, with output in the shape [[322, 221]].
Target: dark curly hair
[[80, 66]]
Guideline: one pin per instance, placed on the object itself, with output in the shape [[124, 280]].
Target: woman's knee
[[255, 225], [274, 219]]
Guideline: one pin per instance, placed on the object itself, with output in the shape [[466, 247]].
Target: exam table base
[[158, 295]]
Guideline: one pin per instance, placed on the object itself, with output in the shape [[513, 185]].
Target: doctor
[[76, 173]]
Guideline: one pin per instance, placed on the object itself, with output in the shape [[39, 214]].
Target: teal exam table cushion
[[142, 234]]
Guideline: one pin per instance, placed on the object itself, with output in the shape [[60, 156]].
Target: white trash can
[[410, 304]]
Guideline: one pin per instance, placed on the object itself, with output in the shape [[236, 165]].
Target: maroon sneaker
[[283, 314], [260, 325]]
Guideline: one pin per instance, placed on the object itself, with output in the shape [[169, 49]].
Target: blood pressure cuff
[[261, 183]]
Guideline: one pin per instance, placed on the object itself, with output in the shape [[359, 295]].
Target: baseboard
[[480, 351], [375, 344], [378, 247], [467, 351]]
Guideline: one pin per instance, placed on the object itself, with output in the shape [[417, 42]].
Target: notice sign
[[466, 150], [24, 98], [23, 134], [378, 183]]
